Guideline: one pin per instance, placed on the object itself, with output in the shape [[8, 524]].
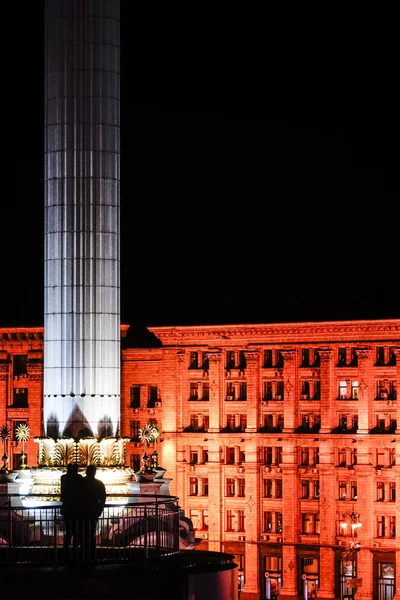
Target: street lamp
[[354, 546]]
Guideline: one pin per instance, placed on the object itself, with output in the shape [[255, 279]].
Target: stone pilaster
[[252, 524], [216, 388], [290, 520], [366, 390], [252, 371], [291, 399], [397, 355], [215, 517], [327, 509], [328, 393], [3, 388]]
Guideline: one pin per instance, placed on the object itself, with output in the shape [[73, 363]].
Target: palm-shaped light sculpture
[[5, 436], [22, 435], [155, 434], [146, 436]]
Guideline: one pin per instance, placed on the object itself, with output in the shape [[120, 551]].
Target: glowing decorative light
[[22, 435], [4, 435]]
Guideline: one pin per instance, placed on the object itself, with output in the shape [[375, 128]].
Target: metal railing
[[32, 529]]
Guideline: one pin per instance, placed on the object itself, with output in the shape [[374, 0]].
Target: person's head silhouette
[[72, 468], [91, 471]]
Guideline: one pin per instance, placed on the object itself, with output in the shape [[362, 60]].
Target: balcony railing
[[128, 527]]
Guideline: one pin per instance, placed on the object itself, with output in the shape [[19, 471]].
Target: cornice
[[387, 330]]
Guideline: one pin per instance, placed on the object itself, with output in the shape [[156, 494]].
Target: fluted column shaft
[[82, 229]]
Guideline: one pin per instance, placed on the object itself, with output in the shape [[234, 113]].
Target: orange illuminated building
[[281, 440]]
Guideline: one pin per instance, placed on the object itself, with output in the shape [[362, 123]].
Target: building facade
[[281, 441]]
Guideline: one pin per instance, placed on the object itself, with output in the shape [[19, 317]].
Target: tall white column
[[82, 228]]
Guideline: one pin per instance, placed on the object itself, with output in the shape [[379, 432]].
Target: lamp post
[[354, 546]]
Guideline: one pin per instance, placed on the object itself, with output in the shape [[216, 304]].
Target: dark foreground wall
[[191, 575]]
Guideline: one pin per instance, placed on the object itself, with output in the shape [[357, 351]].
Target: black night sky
[[227, 216]]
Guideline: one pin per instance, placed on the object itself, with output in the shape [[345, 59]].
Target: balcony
[[125, 530]]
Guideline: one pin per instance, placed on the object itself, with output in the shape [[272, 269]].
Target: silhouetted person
[[93, 499], [70, 497]]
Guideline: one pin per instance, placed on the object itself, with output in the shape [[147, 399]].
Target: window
[[310, 422], [279, 390], [317, 390], [305, 357], [392, 358], [268, 422], [194, 422], [230, 360], [278, 488], [243, 391], [134, 396], [194, 457], [305, 456], [267, 390], [305, 488], [392, 491], [353, 490], [241, 487], [268, 359], [242, 360], [204, 486], [205, 361], [268, 455], [380, 356], [381, 525], [230, 456], [341, 357], [20, 397], [354, 390], [392, 526], [230, 487], [152, 396], [343, 423], [279, 359], [272, 455], [317, 359], [206, 391], [342, 490], [353, 358], [316, 488], [194, 391], [230, 391], [342, 458], [272, 522], [194, 486], [305, 390], [310, 523], [20, 365], [267, 488], [230, 520], [381, 457], [380, 491], [240, 517], [342, 390], [194, 360], [135, 462], [235, 520], [134, 431]]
